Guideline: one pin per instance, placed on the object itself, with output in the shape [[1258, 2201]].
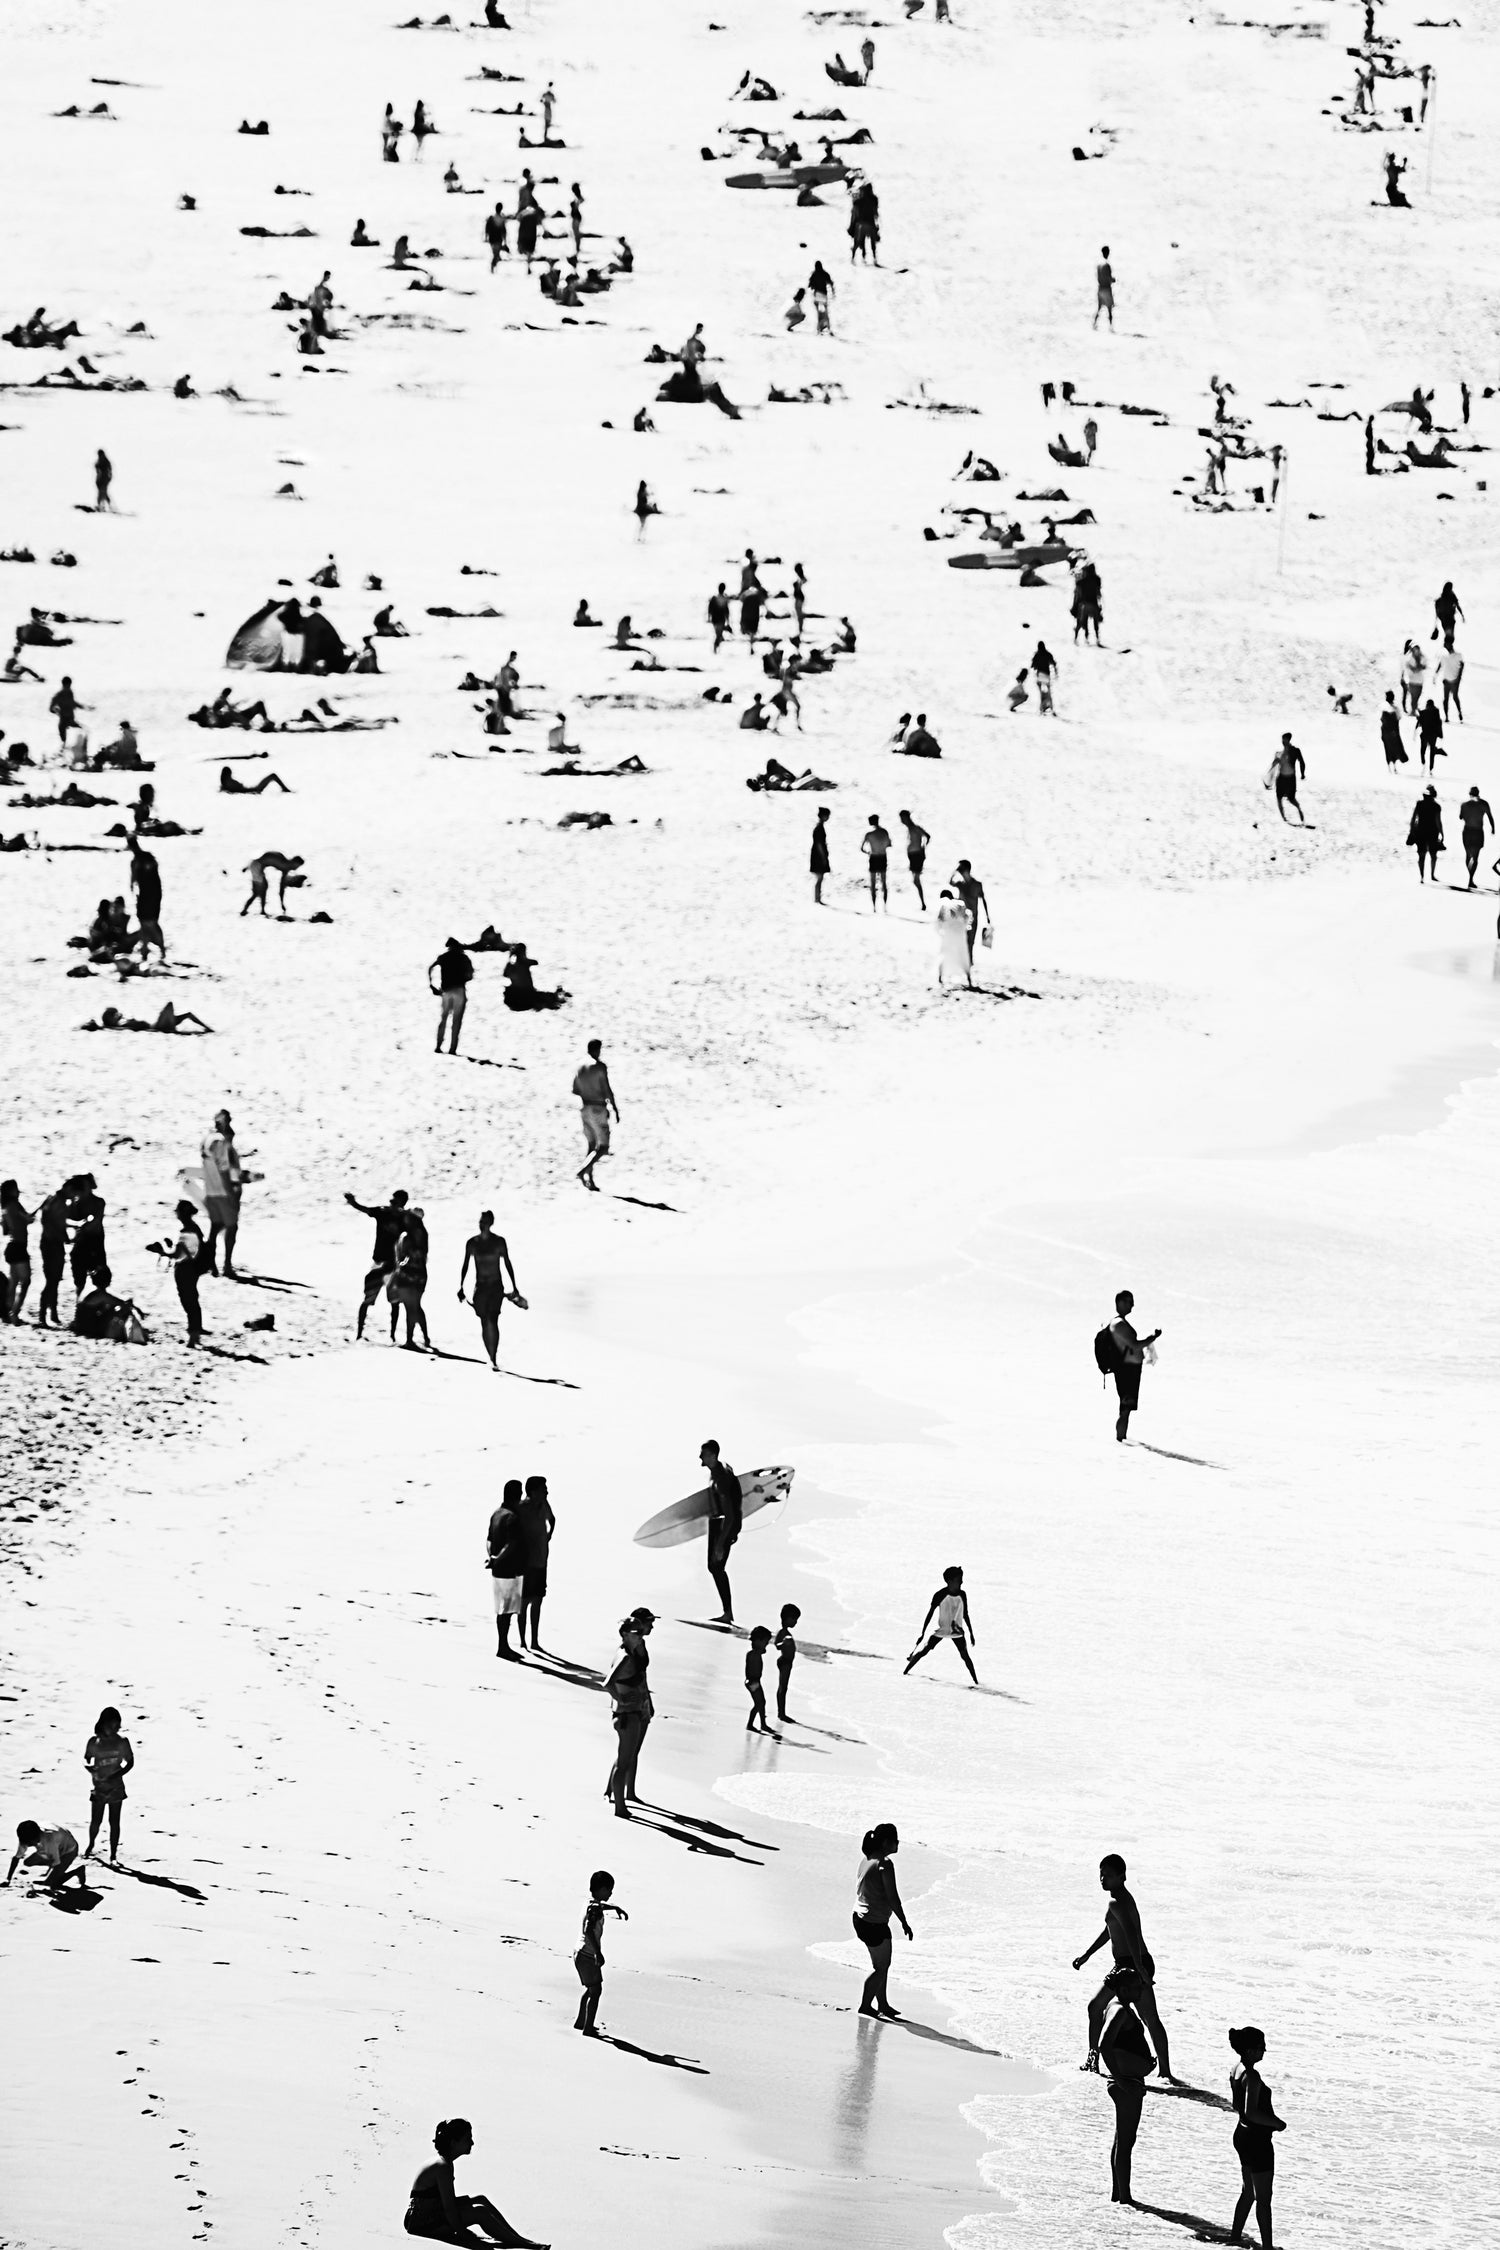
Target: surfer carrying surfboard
[[725, 1519]]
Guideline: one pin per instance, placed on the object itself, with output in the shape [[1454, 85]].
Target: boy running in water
[[949, 1607]]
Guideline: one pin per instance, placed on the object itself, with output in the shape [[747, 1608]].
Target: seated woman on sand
[[438, 2214], [360, 240], [232, 786], [520, 992], [581, 614], [557, 737]]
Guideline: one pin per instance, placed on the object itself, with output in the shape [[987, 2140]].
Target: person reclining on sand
[[232, 786], [225, 712], [171, 1020]]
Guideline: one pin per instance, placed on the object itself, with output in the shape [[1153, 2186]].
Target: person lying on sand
[[225, 712], [231, 785], [171, 1020]]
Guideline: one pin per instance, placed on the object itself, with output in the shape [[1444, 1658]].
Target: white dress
[[953, 939]]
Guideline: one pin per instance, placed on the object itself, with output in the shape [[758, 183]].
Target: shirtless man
[[258, 870], [876, 845], [487, 1253], [1474, 812], [1104, 283], [917, 841], [390, 1224], [591, 1085], [1132, 1358], [1287, 767], [1122, 1933]]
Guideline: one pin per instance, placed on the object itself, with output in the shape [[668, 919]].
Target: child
[[950, 1607], [109, 1758], [755, 1664], [55, 1849], [589, 1959], [786, 1654]]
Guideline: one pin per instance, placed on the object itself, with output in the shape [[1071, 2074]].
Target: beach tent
[[283, 637], [259, 644]]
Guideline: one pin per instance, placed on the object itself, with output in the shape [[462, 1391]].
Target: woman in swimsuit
[[439, 2215], [15, 1221], [1252, 2135], [487, 1252], [876, 1900]]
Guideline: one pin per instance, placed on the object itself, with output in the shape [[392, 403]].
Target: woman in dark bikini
[[1252, 2135], [630, 1694], [439, 2215], [876, 1900], [487, 1252]]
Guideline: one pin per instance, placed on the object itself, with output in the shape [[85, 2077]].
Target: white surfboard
[[688, 1519]]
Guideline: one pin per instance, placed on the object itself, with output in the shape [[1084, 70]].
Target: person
[[1016, 693], [1256, 2122], [971, 891], [920, 742], [755, 718], [55, 1849], [15, 1219], [1390, 733], [1413, 672], [1125, 2054], [390, 1223], [1285, 768], [597, 1098], [549, 106], [948, 1615], [391, 130], [1087, 602], [628, 1690], [818, 862], [189, 1256], [786, 1655], [437, 2213], [954, 925], [1395, 167], [1122, 1934], [876, 844], [917, 841], [1129, 1358], [453, 969], [751, 599], [408, 1284], [796, 312], [505, 1561], [1474, 812], [1448, 609], [725, 1521], [589, 1959], [108, 1757], [497, 235], [1090, 439], [258, 870], [864, 224], [1425, 833], [1104, 288], [104, 477], [718, 615], [86, 1210], [820, 287], [231, 785], [223, 1186], [64, 706], [1044, 671], [755, 1666], [876, 1900], [487, 1252], [52, 1235], [145, 878], [1430, 734], [1450, 667], [537, 1526], [362, 239]]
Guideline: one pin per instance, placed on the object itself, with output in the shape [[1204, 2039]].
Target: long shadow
[[1206, 2230], [75, 1900], [433, 1351], [711, 1827], [815, 1651], [941, 2038], [640, 1202], [160, 1882], [807, 1727], [1166, 1455], [570, 1675], [263, 1281], [1179, 2092], [487, 1062], [693, 1843], [219, 1351], [672, 2062], [558, 1382]]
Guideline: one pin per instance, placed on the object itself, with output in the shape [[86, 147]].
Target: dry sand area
[[854, 1221]]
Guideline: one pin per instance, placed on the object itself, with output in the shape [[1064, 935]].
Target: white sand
[[1247, 1070]]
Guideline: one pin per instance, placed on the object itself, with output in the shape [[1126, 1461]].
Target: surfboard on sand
[[788, 176], [1010, 558], [688, 1519]]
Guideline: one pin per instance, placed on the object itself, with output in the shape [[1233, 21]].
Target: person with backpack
[[1120, 1352]]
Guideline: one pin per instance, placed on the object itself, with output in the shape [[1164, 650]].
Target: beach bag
[[1107, 1352], [987, 935]]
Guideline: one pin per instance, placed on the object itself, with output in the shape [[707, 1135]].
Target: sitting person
[[232, 786], [776, 776], [387, 626], [100, 1315], [170, 1020], [489, 941], [520, 992], [625, 633], [494, 715], [558, 744], [15, 670], [642, 421], [367, 660], [919, 743], [360, 240], [581, 614], [123, 753], [754, 717], [436, 2213]]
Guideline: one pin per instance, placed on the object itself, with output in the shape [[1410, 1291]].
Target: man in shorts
[[917, 841], [390, 1224], [591, 1085], [222, 1182], [1104, 288], [55, 1850], [537, 1526], [1122, 1934], [506, 1561], [876, 846], [1287, 767], [1130, 1359], [725, 1520]]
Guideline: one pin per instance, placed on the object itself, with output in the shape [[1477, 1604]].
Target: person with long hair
[[108, 1757], [877, 1900], [630, 1693], [1257, 2121], [439, 2214]]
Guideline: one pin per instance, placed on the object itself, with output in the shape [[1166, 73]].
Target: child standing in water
[[589, 1959], [948, 1615], [755, 1665], [109, 1758], [786, 1654]]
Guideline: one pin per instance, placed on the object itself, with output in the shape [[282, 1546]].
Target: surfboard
[[1009, 558], [788, 176], [688, 1519]]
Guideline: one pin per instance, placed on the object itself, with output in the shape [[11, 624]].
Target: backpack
[[1107, 1352]]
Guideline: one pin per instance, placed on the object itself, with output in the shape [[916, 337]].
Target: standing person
[[15, 1220], [1413, 673], [751, 598], [1448, 609], [1425, 834], [408, 1284], [786, 1655], [820, 287], [589, 1959], [145, 877], [1125, 2054], [1122, 1934], [867, 57], [505, 1560], [55, 1849], [597, 1097], [955, 933], [1104, 288], [1390, 733], [189, 1254], [87, 1254], [725, 1521], [108, 1758], [487, 1252], [755, 1667], [628, 1689], [644, 506], [1087, 602], [1450, 670], [453, 969], [1091, 438], [971, 891], [390, 1222], [1129, 1358], [1253, 2144], [917, 841], [876, 1900], [1474, 812], [1285, 768], [223, 1186], [1044, 670], [52, 1235], [537, 1526], [549, 108], [440, 2215], [497, 235], [876, 844], [1430, 734], [391, 130], [948, 1615], [818, 863], [718, 615], [64, 706], [104, 477]]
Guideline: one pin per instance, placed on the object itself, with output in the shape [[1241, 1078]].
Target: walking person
[[497, 235], [818, 864], [408, 1284], [1474, 812], [223, 1187], [1122, 1934], [104, 477], [1044, 671], [1413, 673], [786, 1655], [876, 844], [390, 1224], [108, 1758], [1390, 733], [189, 1261], [1126, 1357], [505, 1560], [948, 1616], [1284, 770], [725, 1522], [629, 1690], [145, 878], [1450, 670], [820, 288], [537, 1526], [1447, 609], [917, 841], [718, 615], [1253, 2145], [1425, 833], [1430, 734], [64, 706], [955, 929], [488, 1252], [1104, 288], [971, 891], [453, 970], [589, 1958], [876, 1901], [597, 1101], [1125, 2055]]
